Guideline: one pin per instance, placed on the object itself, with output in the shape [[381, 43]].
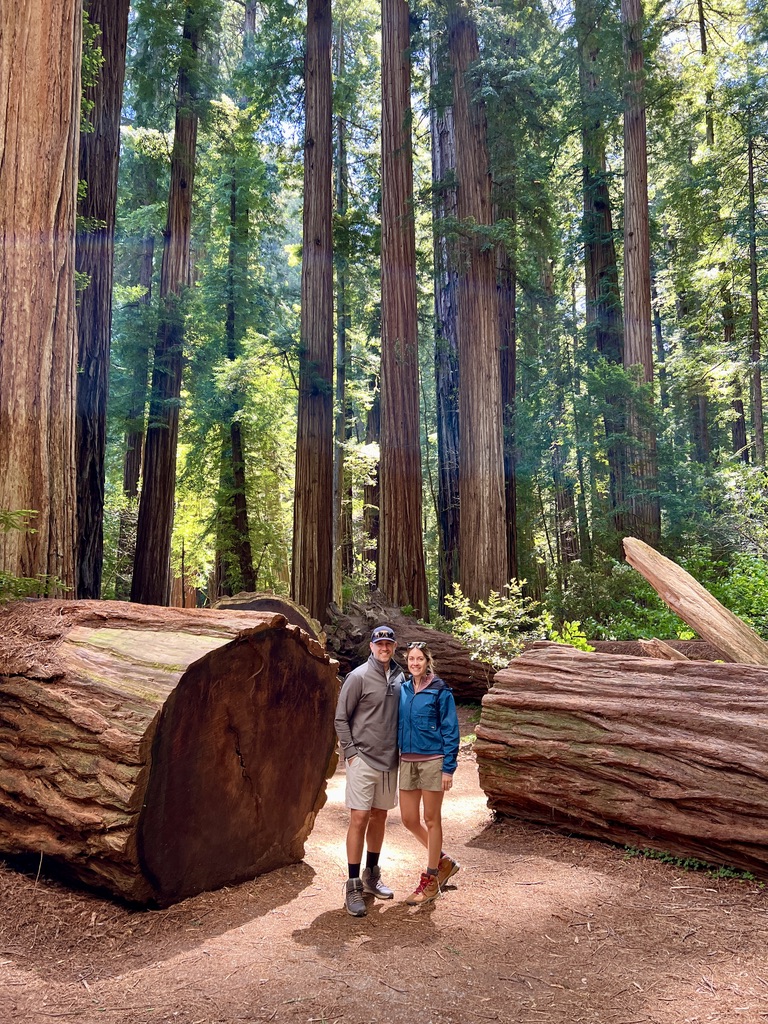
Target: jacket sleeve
[[449, 727], [345, 709]]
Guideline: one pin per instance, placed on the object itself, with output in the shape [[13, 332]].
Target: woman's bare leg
[[433, 803]]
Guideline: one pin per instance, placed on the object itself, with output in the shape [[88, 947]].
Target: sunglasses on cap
[[384, 633], [418, 646]]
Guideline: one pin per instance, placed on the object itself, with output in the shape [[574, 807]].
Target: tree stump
[[640, 751], [157, 752], [348, 635]]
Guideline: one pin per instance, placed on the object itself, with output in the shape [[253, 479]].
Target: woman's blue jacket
[[428, 722]]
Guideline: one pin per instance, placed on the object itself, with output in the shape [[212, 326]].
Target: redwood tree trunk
[[446, 348], [482, 529], [312, 569], [402, 574], [638, 345], [151, 572], [94, 250], [40, 100], [757, 375], [605, 331], [343, 551]]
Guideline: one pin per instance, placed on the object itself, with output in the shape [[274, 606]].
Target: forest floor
[[539, 928]]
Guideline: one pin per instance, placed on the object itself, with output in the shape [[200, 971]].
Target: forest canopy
[[435, 298]]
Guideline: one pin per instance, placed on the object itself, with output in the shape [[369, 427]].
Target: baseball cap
[[383, 633]]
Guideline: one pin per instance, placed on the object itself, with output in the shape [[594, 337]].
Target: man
[[366, 723]]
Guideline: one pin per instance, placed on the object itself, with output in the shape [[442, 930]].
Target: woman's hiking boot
[[446, 868], [427, 890]]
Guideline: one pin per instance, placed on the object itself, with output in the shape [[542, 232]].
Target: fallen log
[[650, 753], [656, 648], [157, 752], [693, 650], [696, 606], [348, 635], [296, 614]]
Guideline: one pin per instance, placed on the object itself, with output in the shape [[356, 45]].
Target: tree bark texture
[[157, 753], [642, 751], [343, 553], [40, 100], [605, 326], [482, 526], [94, 251], [371, 491], [151, 571], [402, 572], [644, 510], [507, 284], [348, 635], [446, 348], [696, 606], [312, 565], [754, 355]]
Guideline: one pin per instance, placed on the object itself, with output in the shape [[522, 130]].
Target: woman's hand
[[447, 782]]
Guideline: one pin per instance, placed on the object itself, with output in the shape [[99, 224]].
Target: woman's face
[[417, 663]]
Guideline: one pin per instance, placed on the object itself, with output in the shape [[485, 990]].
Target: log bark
[[650, 753], [348, 636], [696, 606], [157, 753]]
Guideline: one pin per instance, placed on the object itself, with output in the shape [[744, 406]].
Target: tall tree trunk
[[341, 514], [312, 566], [738, 423], [371, 491], [645, 521], [134, 438], [482, 527], [402, 573], [40, 100], [605, 330], [757, 377], [234, 555], [507, 284], [94, 250], [151, 581], [446, 346], [708, 114]]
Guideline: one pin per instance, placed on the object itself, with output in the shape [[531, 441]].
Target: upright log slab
[[157, 753], [661, 754]]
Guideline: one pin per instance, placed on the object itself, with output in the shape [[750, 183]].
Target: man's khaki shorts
[[422, 775], [368, 788]]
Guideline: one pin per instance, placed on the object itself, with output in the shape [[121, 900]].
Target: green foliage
[[495, 630], [690, 864], [611, 601], [572, 634], [92, 63], [13, 588]]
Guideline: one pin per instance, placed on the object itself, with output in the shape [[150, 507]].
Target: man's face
[[383, 651]]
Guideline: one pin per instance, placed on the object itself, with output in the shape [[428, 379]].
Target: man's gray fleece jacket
[[366, 714]]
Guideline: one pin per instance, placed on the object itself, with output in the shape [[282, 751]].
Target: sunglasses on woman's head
[[418, 646]]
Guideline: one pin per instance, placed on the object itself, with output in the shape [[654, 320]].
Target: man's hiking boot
[[373, 884], [446, 868], [353, 897], [427, 890]]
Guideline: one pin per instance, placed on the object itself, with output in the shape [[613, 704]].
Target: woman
[[428, 737]]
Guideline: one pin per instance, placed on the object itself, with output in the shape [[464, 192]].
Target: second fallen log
[[640, 751]]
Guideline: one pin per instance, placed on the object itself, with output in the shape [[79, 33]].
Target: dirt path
[[538, 929]]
